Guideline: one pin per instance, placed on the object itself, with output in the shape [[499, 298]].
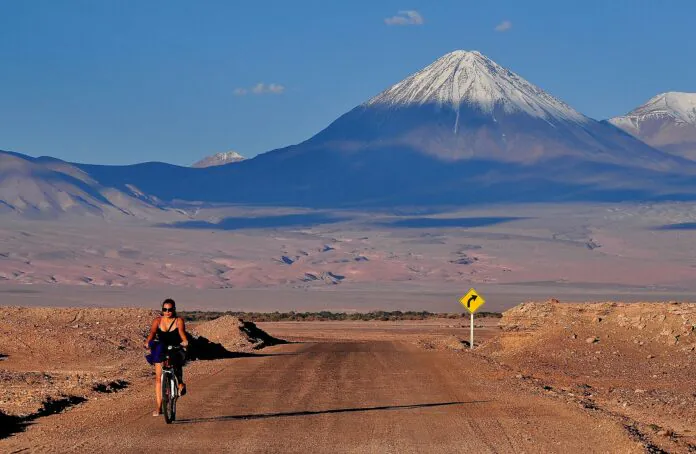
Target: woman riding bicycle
[[167, 330]]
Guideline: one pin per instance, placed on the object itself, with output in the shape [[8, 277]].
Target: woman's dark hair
[[173, 303]]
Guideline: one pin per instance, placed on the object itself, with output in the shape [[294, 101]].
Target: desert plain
[[265, 259], [594, 351]]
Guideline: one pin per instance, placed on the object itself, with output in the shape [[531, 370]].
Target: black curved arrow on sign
[[471, 298]]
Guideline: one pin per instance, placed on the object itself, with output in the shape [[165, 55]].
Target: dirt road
[[377, 396]]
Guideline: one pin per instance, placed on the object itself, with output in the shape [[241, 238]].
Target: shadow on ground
[[424, 223], [262, 222], [323, 412], [10, 424], [201, 348], [680, 226], [260, 337], [111, 387]]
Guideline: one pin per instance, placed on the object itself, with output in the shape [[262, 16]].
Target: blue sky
[[119, 82]]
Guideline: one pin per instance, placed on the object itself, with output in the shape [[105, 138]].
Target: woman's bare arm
[[182, 331], [153, 331]]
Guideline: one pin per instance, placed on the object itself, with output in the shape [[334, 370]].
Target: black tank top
[[168, 337]]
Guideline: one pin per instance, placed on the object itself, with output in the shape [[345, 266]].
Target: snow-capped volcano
[[466, 106], [471, 78], [667, 121], [219, 159]]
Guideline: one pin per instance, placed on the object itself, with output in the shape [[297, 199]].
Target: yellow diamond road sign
[[472, 301]]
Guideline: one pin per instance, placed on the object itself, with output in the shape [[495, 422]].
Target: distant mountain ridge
[[463, 130], [46, 187], [667, 121]]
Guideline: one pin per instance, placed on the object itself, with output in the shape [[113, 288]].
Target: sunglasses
[[167, 309]]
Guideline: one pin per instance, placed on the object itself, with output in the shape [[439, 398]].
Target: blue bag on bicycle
[[156, 354]]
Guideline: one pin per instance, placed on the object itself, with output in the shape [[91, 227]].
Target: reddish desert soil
[[53, 354], [636, 362], [360, 386]]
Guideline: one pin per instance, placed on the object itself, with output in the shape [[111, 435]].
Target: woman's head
[[169, 308]]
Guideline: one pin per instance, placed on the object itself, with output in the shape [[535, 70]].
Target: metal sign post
[[472, 301], [471, 338]]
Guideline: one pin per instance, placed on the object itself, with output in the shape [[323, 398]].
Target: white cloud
[[258, 88], [503, 26], [276, 88], [261, 89], [410, 17]]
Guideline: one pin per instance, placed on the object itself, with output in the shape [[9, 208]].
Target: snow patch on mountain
[[667, 121], [470, 78], [219, 159], [677, 106]]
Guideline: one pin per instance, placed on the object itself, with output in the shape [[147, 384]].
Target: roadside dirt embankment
[[635, 361], [235, 335], [53, 354], [54, 358]]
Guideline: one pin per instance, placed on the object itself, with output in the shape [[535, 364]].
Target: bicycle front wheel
[[168, 398], [172, 393]]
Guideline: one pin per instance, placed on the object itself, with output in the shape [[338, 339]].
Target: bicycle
[[169, 383]]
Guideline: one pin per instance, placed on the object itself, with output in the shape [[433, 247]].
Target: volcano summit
[[469, 78]]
